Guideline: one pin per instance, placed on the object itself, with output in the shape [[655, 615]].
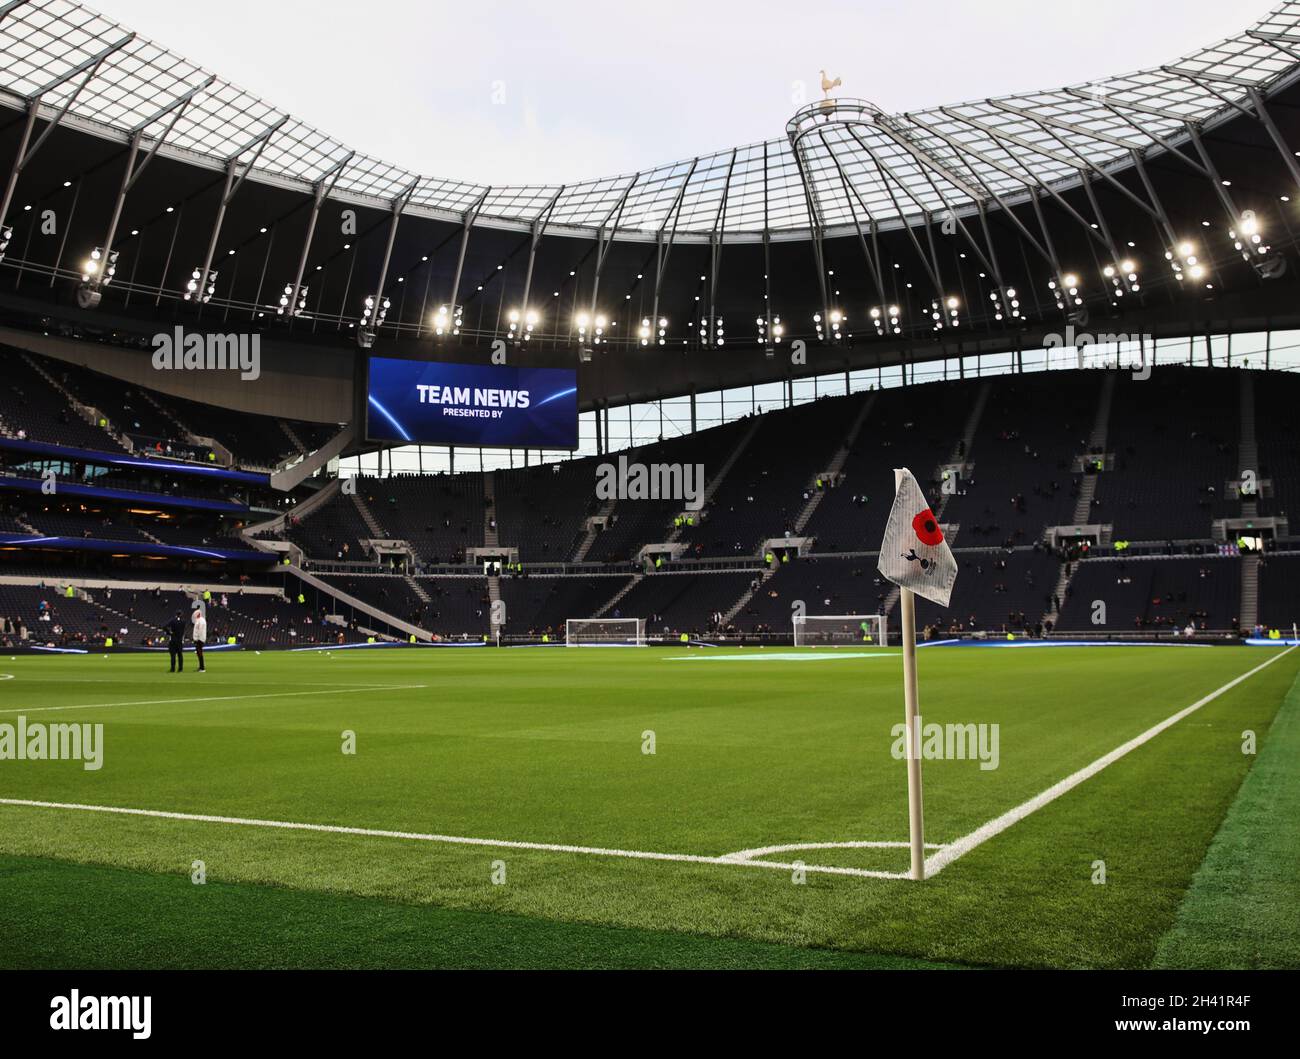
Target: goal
[[604, 632], [838, 630]]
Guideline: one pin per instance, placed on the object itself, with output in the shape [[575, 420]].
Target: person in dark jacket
[[176, 642]]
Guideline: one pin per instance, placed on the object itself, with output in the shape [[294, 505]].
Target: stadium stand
[[673, 603], [918, 428], [764, 491], [537, 605], [1279, 592], [543, 511], [439, 516], [824, 584], [1018, 439], [1023, 452], [1173, 457], [634, 523], [1159, 594], [157, 424], [35, 409], [1279, 446]]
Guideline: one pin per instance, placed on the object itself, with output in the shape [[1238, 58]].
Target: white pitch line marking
[[778, 657], [982, 834], [214, 698], [458, 840], [794, 847], [223, 681]]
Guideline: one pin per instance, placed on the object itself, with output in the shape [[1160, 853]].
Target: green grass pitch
[[547, 747]]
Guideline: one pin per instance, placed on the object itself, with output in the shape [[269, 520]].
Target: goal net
[[838, 630], [604, 632]]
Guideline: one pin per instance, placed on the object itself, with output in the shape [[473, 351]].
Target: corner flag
[[914, 554], [916, 558]]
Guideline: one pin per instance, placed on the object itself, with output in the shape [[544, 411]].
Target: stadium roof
[[847, 165]]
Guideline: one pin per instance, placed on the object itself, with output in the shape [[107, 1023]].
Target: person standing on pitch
[[200, 635], [176, 642]]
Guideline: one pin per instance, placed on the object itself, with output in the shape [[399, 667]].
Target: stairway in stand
[[1097, 439], [960, 454], [367, 516], [836, 465], [492, 539], [1096, 443], [82, 410], [1249, 461]]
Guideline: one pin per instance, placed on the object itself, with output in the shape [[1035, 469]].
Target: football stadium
[[641, 572]]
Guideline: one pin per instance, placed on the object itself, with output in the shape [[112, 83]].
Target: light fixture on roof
[[770, 333], [1248, 238], [522, 322], [717, 326], [647, 331], [373, 314], [368, 311], [834, 318], [945, 314], [1065, 289], [97, 270], [1122, 276], [96, 273], [1005, 303], [1183, 259], [198, 291], [6, 234], [298, 306], [885, 319], [447, 320], [591, 328]]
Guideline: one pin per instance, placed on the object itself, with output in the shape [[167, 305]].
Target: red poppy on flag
[[927, 529]]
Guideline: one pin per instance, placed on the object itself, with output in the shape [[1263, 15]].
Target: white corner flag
[[916, 558], [914, 554]]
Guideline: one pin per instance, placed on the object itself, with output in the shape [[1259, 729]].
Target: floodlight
[[199, 291]]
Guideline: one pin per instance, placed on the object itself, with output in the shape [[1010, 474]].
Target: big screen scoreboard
[[471, 405]]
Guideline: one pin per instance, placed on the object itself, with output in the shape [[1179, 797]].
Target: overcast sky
[[515, 92]]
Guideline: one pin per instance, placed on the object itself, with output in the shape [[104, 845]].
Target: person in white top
[[200, 620]]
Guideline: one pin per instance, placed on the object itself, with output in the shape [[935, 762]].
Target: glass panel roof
[[886, 168]]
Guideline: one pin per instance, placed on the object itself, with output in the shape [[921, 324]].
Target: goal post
[[604, 632], [839, 630]]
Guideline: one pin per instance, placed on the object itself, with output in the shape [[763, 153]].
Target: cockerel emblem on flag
[[914, 554]]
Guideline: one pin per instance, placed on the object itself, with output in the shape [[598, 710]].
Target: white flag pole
[[915, 809]]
